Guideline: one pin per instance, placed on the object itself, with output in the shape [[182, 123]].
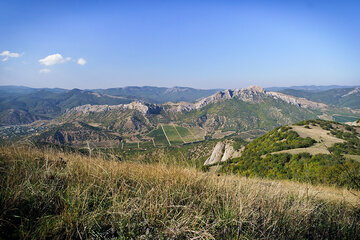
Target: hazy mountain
[[47, 103], [159, 94], [309, 88], [341, 97], [22, 90]]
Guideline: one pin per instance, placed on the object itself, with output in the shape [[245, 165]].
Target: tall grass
[[47, 194]]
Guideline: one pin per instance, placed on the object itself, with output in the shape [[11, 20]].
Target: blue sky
[[201, 44]]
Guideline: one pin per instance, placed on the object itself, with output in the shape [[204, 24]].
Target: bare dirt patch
[[220, 134], [323, 137], [353, 157]]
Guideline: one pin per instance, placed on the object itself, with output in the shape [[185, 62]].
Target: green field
[[177, 135], [173, 135], [185, 134], [159, 137]]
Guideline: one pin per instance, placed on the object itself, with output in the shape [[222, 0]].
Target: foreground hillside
[[57, 195], [316, 151]]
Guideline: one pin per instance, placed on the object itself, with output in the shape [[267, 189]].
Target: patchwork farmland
[[170, 134]]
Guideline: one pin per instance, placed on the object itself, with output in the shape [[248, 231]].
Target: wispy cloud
[[81, 61], [8, 54], [54, 59], [45, 70]]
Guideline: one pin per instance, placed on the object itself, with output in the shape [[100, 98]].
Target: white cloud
[[8, 54], [54, 59], [45, 70], [81, 61]]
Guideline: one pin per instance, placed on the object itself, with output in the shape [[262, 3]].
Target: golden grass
[[57, 195]]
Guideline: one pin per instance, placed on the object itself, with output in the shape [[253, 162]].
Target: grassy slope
[[47, 194]]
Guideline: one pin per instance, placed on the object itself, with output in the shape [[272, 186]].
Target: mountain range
[[246, 112]]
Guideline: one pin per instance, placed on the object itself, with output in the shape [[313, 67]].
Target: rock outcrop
[[216, 155], [222, 152]]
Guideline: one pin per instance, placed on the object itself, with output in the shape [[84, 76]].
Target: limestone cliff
[[222, 152]]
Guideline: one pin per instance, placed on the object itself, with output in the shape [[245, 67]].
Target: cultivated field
[[170, 134]]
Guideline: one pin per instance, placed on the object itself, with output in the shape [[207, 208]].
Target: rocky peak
[[255, 89]]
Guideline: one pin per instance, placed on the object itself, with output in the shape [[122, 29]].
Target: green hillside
[[315, 151], [237, 115]]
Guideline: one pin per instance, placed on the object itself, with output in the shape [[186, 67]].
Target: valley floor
[[48, 194]]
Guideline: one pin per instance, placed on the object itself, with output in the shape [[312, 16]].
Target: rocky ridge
[[251, 94], [136, 105]]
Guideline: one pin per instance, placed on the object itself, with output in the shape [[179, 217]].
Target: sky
[[200, 44]]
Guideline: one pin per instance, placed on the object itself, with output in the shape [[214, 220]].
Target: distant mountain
[[21, 90], [17, 117], [159, 94], [44, 103], [341, 97], [77, 134], [52, 102], [309, 88]]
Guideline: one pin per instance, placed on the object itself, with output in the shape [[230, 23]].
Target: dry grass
[[55, 195]]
